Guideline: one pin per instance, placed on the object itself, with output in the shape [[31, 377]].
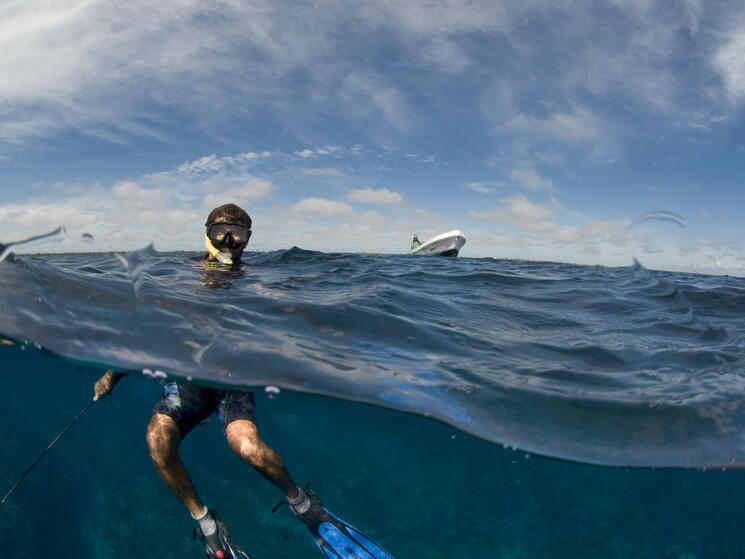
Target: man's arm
[[105, 385]]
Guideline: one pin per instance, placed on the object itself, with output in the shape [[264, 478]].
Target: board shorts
[[188, 405]]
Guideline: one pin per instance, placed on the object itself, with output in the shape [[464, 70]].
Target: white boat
[[446, 244]]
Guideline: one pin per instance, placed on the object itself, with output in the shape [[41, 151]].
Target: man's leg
[[181, 408], [243, 438], [163, 438]]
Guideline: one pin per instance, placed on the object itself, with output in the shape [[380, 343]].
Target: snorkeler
[[184, 405]]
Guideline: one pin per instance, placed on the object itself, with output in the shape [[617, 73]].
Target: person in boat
[[415, 242], [183, 406]]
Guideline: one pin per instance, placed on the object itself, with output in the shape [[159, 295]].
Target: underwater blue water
[[599, 366]]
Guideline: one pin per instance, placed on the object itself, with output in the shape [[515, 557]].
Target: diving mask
[[228, 232]]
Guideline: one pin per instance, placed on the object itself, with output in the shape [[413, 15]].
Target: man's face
[[236, 251]]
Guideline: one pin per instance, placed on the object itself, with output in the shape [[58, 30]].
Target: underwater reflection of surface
[[612, 366]]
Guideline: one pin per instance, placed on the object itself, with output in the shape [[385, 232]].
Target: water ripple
[[612, 366]]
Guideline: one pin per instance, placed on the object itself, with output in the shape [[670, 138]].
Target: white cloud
[[208, 163], [168, 220], [321, 172], [530, 179], [42, 216], [213, 62], [100, 70], [483, 188], [252, 188], [421, 158], [319, 207], [382, 196], [580, 126], [130, 194], [372, 231], [249, 157], [550, 157], [169, 208], [211, 164], [647, 245], [597, 228], [730, 62], [369, 90], [73, 189], [422, 19], [524, 209], [334, 151], [211, 179], [305, 153], [486, 215], [521, 213], [704, 244], [594, 230], [172, 203]]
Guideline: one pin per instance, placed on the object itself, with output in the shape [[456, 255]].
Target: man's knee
[[163, 438], [243, 438]]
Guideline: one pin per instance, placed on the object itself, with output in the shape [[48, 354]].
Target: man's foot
[[218, 545], [334, 537], [310, 510], [308, 507]]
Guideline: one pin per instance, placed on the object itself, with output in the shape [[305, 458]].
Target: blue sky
[[541, 132]]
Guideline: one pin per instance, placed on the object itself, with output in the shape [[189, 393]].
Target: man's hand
[[105, 385]]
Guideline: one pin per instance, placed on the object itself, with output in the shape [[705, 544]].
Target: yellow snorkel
[[222, 257]]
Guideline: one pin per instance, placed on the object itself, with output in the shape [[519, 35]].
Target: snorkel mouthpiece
[[222, 257]]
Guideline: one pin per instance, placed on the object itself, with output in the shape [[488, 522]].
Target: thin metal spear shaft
[[31, 467]]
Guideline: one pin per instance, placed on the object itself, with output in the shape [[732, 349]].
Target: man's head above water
[[228, 232]]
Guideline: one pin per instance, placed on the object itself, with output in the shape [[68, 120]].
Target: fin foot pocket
[[219, 544], [337, 539]]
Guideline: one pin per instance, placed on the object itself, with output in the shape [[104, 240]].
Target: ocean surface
[[470, 408]]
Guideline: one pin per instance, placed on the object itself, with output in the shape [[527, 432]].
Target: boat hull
[[447, 244]]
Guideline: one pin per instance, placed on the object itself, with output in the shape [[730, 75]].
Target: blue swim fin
[[335, 538]]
